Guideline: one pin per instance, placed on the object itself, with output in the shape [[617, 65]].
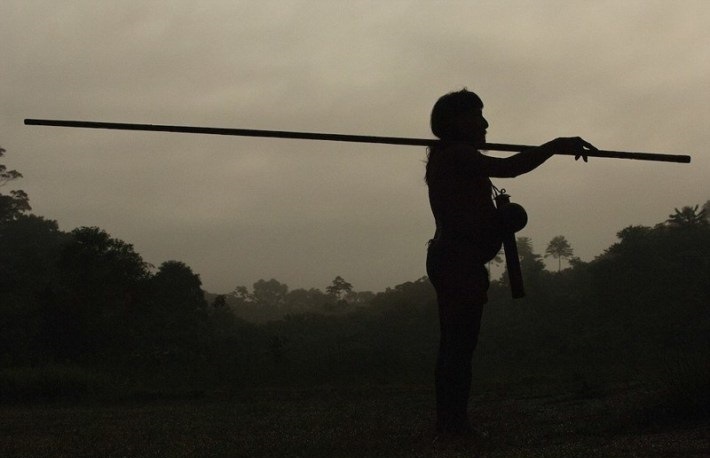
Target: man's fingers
[[587, 144], [590, 146]]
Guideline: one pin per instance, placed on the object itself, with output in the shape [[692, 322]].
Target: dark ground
[[391, 421]]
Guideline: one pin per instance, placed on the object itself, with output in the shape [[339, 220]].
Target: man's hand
[[570, 145]]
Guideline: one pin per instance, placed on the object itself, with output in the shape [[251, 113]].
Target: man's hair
[[448, 108]]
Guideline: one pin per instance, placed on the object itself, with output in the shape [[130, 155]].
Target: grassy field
[[375, 421]]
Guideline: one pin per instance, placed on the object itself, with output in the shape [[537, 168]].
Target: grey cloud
[[624, 75]]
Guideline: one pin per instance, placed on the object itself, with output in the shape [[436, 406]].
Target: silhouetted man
[[468, 235]]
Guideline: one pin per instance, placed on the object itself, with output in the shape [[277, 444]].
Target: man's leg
[[460, 323]]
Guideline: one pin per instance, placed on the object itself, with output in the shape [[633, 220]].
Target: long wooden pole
[[334, 137]]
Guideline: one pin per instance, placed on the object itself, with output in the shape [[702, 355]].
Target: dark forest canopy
[[85, 299]]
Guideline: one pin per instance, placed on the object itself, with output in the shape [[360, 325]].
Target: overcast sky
[[627, 75]]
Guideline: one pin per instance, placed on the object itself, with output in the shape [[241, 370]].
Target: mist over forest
[[82, 315]]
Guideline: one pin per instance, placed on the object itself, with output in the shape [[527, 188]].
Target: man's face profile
[[472, 126]]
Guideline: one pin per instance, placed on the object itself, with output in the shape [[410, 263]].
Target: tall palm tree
[[687, 216]]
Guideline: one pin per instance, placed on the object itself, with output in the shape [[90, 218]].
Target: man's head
[[459, 116]]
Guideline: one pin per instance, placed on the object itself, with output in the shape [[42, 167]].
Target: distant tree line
[[83, 298], [270, 300]]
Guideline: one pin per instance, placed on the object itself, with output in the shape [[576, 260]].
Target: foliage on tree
[[269, 293], [339, 288], [302, 300], [559, 248], [17, 202], [91, 304], [688, 216], [667, 263], [219, 302], [272, 300], [94, 265], [5, 174], [706, 211], [241, 294], [29, 251], [179, 286], [178, 307], [530, 261]]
